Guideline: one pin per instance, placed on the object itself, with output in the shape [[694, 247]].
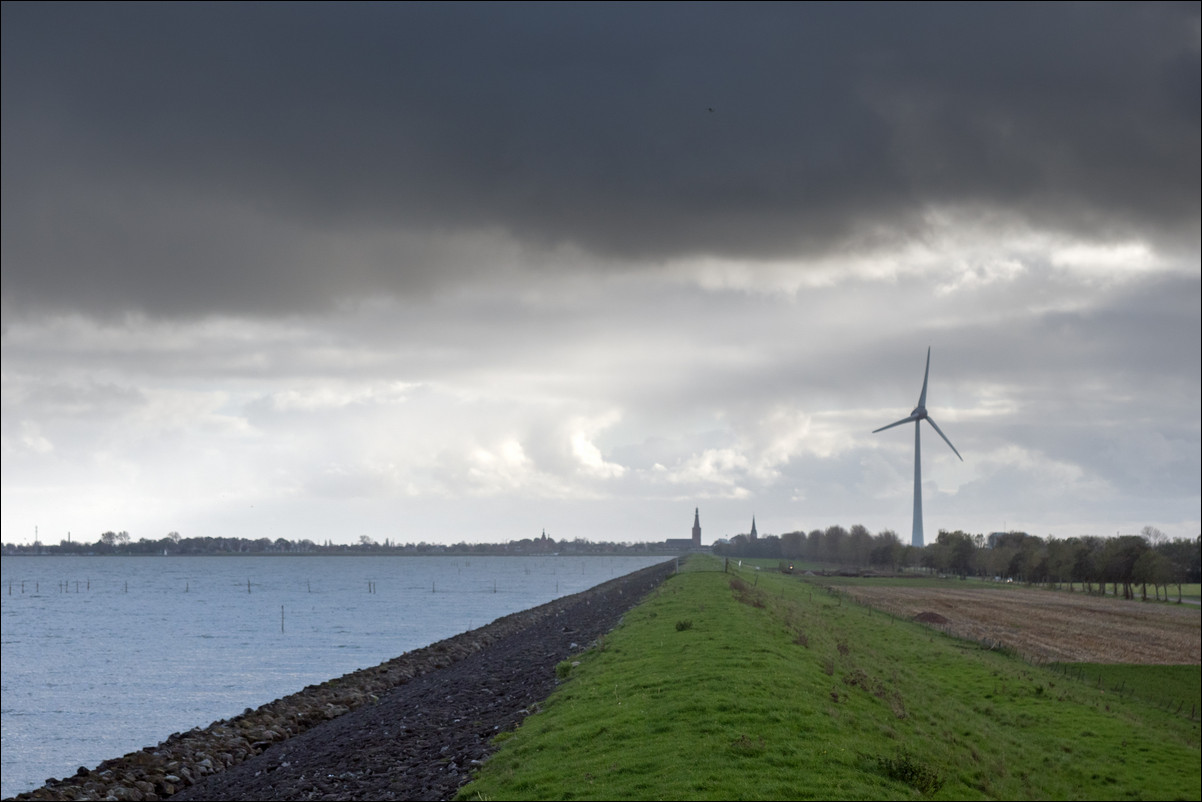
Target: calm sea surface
[[105, 655]]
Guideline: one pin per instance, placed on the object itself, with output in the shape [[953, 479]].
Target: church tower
[[754, 535], [696, 528]]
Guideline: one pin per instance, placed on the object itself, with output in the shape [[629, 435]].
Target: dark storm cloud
[[200, 157]]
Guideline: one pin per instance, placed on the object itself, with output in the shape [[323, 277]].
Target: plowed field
[[1052, 625]]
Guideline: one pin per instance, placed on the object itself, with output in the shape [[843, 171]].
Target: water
[[104, 655]]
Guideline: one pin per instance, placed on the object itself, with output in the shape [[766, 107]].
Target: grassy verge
[[1189, 591], [760, 686], [1174, 688]]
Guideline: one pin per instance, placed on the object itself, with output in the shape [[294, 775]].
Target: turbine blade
[[891, 425], [944, 436], [922, 399]]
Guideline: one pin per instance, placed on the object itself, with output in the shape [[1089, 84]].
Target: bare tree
[[1154, 536]]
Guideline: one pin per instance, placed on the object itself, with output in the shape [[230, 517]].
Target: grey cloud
[[196, 158], [57, 400]]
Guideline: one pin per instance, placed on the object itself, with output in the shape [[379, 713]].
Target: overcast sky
[[469, 272]]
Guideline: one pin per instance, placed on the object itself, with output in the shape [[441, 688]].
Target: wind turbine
[[918, 416]]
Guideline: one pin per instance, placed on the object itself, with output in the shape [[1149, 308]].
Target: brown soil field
[[1047, 625]]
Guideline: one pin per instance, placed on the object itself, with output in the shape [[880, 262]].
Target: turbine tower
[[918, 416]]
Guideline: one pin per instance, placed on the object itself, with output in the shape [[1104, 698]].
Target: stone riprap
[[409, 728]]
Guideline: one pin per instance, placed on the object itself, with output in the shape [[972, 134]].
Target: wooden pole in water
[[248, 586], [281, 619]]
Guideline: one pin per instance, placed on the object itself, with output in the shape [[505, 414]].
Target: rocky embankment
[[409, 728]]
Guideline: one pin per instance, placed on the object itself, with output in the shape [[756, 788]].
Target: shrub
[[907, 769], [681, 626]]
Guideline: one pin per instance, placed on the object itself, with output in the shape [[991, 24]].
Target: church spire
[[696, 527]]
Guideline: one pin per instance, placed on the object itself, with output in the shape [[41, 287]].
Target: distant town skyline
[[459, 273]]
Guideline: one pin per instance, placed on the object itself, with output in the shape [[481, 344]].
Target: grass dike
[[752, 684]]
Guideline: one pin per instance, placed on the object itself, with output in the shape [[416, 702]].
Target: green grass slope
[[760, 686]]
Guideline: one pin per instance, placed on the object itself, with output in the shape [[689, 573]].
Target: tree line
[[1125, 562]]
